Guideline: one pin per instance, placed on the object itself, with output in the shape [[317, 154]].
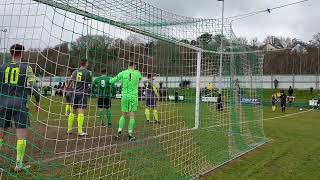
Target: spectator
[[275, 82], [311, 90], [219, 103], [176, 97], [290, 91]]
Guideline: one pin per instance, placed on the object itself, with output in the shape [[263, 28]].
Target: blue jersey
[[14, 89]]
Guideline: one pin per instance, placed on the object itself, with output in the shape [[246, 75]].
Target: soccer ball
[[300, 109]]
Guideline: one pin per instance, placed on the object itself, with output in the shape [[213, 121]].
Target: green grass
[[177, 155], [292, 153]]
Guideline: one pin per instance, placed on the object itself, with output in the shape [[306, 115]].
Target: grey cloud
[[298, 21]]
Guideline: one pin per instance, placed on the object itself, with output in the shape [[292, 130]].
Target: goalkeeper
[[14, 91], [105, 91], [129, 97], [151, 94]]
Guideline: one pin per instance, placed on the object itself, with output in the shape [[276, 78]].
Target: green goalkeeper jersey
[[102, 87], [129, 82]]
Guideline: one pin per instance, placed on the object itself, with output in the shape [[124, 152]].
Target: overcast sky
[[30, 28], [298, 21]]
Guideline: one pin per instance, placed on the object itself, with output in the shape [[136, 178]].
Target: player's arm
[[31, 78], [95, 86], [155, 90], [72, 79], [90, 82], [116, 79]]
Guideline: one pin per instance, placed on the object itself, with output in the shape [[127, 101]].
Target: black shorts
[[151, 102], [283, 105], [68, 97], [80, 101], [104, 103], [20, 118]]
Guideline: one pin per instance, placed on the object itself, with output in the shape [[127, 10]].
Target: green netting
[[195, 135]]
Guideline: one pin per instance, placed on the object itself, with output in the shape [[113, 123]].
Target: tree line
[[168, 58]]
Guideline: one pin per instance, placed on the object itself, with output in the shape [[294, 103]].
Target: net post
[[197, 109]]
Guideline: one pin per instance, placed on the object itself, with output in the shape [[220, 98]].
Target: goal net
[[209, 105]]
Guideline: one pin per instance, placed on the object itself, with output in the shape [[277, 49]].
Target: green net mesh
[[199, 129]]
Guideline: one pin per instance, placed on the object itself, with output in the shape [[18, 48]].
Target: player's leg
[[82, 103], [67, 108], [156, 115], [22, 122], [2, 126], [147, 113], [80, 120], [5, 123], [133, 107], [122, 122], [71, 119], [155, 111], [109, 115], [72, 113], [100, 109], [124, 110], [2, 133], [131, 126], [147, 109], [273, 108], [107, 105]]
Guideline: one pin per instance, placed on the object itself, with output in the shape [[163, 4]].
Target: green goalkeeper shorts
[[129, 104]]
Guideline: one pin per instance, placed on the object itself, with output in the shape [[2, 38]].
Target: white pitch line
[[279, 117], [68, 154]]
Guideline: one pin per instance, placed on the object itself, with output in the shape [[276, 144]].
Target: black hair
[[16, 50]]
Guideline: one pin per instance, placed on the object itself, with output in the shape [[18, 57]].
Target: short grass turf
[[52, 114], [292, 153]]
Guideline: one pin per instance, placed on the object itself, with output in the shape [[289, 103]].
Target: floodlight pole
[[221, 48], [87, 40], [318, 67]]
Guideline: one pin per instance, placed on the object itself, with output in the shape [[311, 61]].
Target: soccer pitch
[[161, 151], [292, 153], [293, 143]]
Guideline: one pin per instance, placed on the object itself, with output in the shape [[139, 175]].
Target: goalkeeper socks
[[70, 122], [101, 116], [156, 116], [109, 114], [132, 122], [122, 122], [80, 122], [21, 148], [147, 112], [273, 108], [1, 143]]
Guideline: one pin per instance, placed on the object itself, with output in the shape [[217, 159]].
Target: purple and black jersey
[[151, 94], [81, 81]]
